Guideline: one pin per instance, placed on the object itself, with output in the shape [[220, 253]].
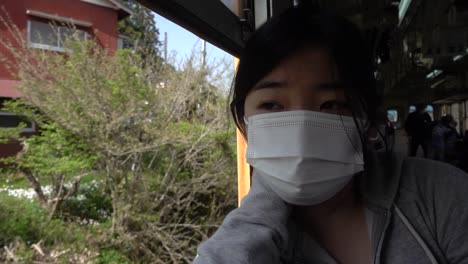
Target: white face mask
[[306, 157]]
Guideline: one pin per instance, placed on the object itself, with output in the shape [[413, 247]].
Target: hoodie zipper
[[381, 236]]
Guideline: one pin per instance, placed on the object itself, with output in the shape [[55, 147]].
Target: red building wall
[[104, 20], [104, 29]]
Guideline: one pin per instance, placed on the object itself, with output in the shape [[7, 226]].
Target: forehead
[[307, 64]]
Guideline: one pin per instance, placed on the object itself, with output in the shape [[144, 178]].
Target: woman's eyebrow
[[268, 84]]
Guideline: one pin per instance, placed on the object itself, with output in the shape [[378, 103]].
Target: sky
[[183, 41]]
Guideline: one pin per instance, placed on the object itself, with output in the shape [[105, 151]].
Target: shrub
[[111, 256], [90, 204], [24, 223], [20, 218]]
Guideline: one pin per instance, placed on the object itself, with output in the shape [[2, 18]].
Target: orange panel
[[243, 169]]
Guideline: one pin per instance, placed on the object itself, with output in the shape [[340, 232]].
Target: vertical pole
[[203, 53], [165, 47], [243, 169]]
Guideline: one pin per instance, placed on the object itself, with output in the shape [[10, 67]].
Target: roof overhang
[[228, 23], [213, 20], [452, 99], [123, 10]]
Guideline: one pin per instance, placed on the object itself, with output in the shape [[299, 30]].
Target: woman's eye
[[270, 106], [338, 107]]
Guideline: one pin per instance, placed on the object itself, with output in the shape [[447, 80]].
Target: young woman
[[305, 97]]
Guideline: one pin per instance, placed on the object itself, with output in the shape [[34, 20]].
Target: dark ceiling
[[408, 43]]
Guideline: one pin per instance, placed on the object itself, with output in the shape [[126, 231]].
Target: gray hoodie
[[418, 210]]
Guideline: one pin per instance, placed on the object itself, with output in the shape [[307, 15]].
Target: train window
[[392, 115], [430, 111]]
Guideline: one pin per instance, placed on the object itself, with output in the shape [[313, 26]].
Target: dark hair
[[298, 28], [420, 107], [447, 119]]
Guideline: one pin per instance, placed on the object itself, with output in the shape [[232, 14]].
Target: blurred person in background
[[417, 126], [445, 139]]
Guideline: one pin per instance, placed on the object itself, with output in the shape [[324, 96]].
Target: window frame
[[56, 48], [31, 129]]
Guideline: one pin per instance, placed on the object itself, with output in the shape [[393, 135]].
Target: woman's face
[[305, 81]]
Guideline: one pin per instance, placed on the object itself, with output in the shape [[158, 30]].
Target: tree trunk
[[120, 212], [55, 201], [37, 188]]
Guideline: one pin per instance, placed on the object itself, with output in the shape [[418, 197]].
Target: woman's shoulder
[[429, 178], [434, 196]]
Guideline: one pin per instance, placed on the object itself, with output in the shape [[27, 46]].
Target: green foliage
[[23, 223], [12, 181], [111, 256], [25, 219], [21, 108], [90, 203], [158, 136], [24, 252], [55, 151], [140, 29], [20, 218], [8, 135], [129, 78]]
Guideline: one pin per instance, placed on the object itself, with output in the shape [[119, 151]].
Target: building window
[[120, 42], [45, 36], [124, 42], [11, 120]]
